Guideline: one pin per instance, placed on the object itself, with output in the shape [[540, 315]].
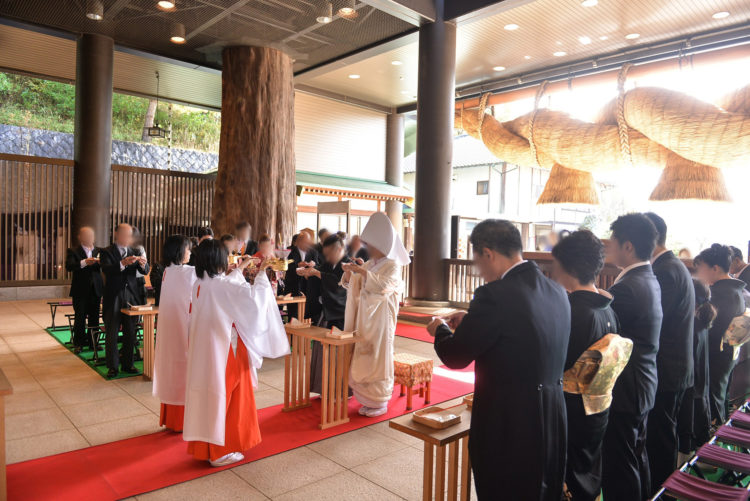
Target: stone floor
[[59, 404]]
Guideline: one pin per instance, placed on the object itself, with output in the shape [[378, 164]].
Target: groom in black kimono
[[516, 331]]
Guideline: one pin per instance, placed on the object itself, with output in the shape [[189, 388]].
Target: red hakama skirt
[[241, 431], [172, 416]]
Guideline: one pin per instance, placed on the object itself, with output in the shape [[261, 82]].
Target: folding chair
[[71, 322], [53, 311], [686, 487], [97, 338]]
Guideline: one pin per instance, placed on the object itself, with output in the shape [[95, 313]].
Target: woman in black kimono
[[712, 267], [694, 419], [577, 260], [332, 298]]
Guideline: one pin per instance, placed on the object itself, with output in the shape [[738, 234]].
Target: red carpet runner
[[129, 467], [414, 332]]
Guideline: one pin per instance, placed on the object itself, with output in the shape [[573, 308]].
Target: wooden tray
[[438, 417], [469, 400]]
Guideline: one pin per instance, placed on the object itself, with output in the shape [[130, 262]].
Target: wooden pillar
[[255, 180], [92, 151], [394, 172]]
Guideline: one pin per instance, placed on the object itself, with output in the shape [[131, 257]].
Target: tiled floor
[[59, 405]]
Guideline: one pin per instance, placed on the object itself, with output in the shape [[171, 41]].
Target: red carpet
[[129, 467], [414, 332]]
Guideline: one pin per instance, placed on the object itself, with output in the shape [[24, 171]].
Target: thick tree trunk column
[[394, 171], [255, 180], [435, 109], [92, 150]]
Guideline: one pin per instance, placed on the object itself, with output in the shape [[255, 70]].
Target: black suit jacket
[[674, 361], [332, 295], [516, 332], [251, 247], [87, 279], [293, 283], [117, 281], [637, 302], [744, 275]]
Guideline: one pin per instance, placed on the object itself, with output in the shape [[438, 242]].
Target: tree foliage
[[45, 104]]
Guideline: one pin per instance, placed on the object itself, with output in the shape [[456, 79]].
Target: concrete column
[[394, 172], [93, 136], [435, 110]]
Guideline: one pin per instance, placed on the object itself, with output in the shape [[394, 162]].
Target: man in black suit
[[119, 263], [516, 331], [302, 252], [637, 302], [243, 231], [323, 233], [674, 361], [739, 268], [85, 287]]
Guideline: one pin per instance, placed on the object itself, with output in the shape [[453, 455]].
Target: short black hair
[[581, 255], [322, 232], [264, 238], [174, 249], [194, 242], [294, 238], [639, 231], [497, 234], [661, 227], [716, 255], [211, 258], [242, 225], [736, 253], [334, 239], [205, 232], [226, 237]]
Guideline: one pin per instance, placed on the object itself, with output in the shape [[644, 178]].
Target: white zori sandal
[[232, 457]]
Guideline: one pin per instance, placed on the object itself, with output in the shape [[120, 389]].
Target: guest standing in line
[[323, 233], [674, 361], [694, 420], [244, 233], [333, 299], [637, 303], [119, 263], [140, 277], [372, 310], [712, 266], [294, 283], [577, 261], [739, 383], [516, 332], [356, 249], [739, 269], [170, 359], [233, 326], [85, 287]]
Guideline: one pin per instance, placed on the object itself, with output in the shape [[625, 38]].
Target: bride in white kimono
[[372, 310], [233, 326], [170, 361]]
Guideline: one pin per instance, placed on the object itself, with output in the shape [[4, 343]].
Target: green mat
[[63, 336]]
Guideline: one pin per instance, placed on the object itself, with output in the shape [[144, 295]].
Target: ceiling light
[[584, 40], [498, 68], [589, 3], [632, 36], [511, 27], [177, 33], [354, 76], [94, 10], [396, 63], [166, 4], [560, 53], [326, 16], [527, 57], [721, 15], [347, 10], [603, 37], [155, 130]]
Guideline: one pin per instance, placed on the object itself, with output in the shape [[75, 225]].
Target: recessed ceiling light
[[632, 36], [584, 40], [511, 27], [94, 10], [527, 57], [721, 15], [396, 63], [498, 68], [326, 15], [603, 37], [560, 53], [354, 76], [589, 3], [177, 33], [166, 4]]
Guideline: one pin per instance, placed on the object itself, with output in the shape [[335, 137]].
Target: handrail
[[36, 160]]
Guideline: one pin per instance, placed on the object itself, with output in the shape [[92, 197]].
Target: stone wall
[[45, 143]]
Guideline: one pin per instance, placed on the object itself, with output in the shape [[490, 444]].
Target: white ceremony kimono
[[372, 310], [218, 305], [170, 359]]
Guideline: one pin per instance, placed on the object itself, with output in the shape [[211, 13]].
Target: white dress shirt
[[123, 252], [88, 251], [517, 264], [631, 267]]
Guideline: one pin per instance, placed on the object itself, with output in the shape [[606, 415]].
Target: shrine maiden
[[170, 362], [371, 310], [233, 326]]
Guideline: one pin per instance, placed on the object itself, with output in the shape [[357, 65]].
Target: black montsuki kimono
[[726, 296], [333, 303], [591, 318], [516, 332]]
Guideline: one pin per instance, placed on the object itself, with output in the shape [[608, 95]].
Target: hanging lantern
[[682, 179], [569, 186]]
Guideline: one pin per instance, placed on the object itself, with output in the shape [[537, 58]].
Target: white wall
[[337, 138]]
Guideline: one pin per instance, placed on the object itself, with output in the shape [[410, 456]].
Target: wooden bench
[[414, 374]]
